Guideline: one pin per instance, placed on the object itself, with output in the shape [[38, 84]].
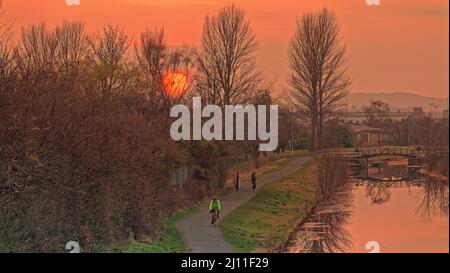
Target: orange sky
[[400, 46]]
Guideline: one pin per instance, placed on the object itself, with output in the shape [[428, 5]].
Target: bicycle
[[214, 216]]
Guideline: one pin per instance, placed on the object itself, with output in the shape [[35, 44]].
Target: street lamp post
[[292, 130]]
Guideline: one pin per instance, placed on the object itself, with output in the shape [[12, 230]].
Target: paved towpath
[[200, 236]]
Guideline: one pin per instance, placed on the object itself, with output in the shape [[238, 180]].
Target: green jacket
[[214, 205]]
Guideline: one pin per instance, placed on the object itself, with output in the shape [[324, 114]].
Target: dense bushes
[[80, 165], [85, 152]]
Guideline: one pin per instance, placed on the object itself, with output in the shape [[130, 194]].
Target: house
[[367, 136], [445, 114], [417, 113]]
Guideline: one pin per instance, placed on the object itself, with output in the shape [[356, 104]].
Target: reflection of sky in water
[[401, 216], [411, 219]]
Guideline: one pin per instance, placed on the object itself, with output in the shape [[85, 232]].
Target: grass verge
[[245, 167], [170, 242], [267, 220]]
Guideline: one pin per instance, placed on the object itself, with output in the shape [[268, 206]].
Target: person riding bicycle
[[214, 207]]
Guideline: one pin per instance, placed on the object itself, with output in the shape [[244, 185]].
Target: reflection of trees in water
[[432, 199], [324, 230], [431, 196], [378, 192]]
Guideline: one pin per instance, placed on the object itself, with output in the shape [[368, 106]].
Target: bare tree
[[108, 49], [72, 45], [156, 60], [5, 26], [36, 55], [150, 55], [227, 72], [5, 55], [319, 76], [377, 110], [47, 55]]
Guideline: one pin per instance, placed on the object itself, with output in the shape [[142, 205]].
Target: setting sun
[[175, 83]]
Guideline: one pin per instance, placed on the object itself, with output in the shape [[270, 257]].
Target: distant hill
[[403, 101]]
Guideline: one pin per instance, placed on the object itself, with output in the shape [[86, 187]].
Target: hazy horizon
[[399, 100], [385, 92]]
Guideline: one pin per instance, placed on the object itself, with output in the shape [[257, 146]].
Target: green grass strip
[[268, 219]]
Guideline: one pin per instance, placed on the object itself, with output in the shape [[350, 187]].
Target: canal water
[[385, 210]]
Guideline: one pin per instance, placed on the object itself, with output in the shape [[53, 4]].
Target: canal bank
[[267, 220]]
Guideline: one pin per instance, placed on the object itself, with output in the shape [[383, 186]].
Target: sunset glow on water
[[401, 224]]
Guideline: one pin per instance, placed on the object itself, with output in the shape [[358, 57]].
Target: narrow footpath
[[200, 237]]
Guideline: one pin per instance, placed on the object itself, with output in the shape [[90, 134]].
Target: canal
[[381, 209]]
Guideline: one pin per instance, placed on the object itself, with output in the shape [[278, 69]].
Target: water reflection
[[432, 199], [378, 192], [324, 230], [405, 212]]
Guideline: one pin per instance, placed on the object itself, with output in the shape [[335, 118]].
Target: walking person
[[237, 181], [253, 180]]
